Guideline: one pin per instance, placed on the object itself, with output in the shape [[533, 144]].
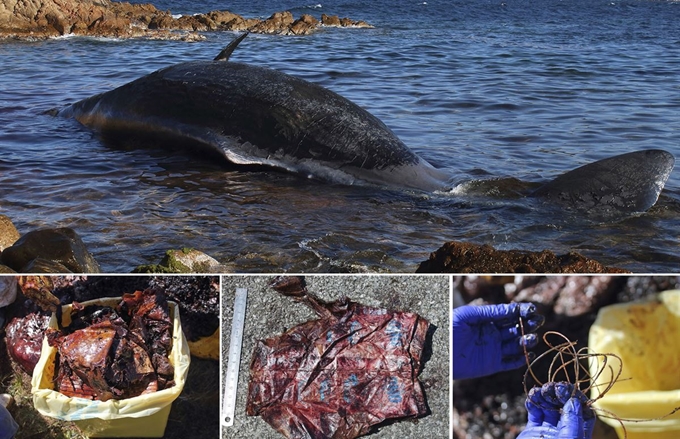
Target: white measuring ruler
[[231, 379]]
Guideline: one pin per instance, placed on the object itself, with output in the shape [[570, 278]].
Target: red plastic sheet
[[338, 376]]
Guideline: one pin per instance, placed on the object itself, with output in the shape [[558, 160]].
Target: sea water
[[485, 89]]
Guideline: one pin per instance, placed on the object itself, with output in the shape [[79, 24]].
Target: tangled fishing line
[[575, 366]]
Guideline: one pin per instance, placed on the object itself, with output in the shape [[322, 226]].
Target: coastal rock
[[30, 19], [45, 18], [185, 260], [461, 257], [278, 23], [335, 21], [8, 233], [330, 20], [41, 265], [61, 246], [304, 25]]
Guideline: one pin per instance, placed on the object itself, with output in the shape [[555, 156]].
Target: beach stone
[[61, 245], [185, 260], [8, 232], [41, 265], [461, 257]]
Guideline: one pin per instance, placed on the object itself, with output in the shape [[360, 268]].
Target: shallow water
[[484, 89]]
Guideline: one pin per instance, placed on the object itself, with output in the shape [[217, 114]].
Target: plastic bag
[[54, 404], [646, 335]]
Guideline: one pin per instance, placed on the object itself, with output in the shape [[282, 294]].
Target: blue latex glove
[[7, 425], [487, 339], [557, 411]]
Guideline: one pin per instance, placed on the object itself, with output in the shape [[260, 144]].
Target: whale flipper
[[626, 183]]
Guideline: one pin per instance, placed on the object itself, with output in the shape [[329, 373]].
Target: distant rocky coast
[[40, 19]]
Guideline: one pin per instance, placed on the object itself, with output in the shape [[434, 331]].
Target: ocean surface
[[486, 89]]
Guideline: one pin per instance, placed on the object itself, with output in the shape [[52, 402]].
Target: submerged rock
[[462, 257], [51, 250]]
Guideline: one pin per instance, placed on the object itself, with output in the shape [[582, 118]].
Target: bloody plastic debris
[[115, 353], [340, 375]]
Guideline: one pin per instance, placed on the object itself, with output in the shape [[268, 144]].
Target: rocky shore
[[61, 250], [40, 19], [464, 257]]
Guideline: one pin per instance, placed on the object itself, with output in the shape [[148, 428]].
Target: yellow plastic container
[[646, 335], [141, 416]]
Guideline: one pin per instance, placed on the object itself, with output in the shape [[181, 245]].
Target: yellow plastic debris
[[141, 416], [208, 347], [646, 335]]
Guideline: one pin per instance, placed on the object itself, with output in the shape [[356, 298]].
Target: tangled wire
[[573, 373]]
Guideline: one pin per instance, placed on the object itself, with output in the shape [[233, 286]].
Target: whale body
[[254, 115]]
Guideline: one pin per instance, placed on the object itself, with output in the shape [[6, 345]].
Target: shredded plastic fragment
[[340, 375]]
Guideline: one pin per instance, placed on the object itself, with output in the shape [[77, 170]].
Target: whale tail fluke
[[227, 51], [626, 183]]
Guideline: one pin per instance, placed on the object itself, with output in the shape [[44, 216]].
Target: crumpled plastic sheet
[[108, 353], [340, 375]]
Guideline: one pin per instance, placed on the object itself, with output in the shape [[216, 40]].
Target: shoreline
[[61, 250], [44, 19]]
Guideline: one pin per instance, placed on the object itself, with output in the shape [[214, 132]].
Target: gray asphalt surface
[[269, 314]]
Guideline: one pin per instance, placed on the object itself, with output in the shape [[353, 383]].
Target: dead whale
[[258, 116]]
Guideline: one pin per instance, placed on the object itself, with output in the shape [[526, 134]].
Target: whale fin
[[227, 51], [626, 183]]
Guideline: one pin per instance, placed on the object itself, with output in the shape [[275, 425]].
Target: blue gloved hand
[[8, 427], [558, 411], [487, 339]]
